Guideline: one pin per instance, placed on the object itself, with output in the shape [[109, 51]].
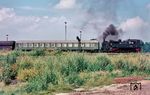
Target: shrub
[[144, 66], [74, 65], [9, 72], [75, 80], [109, 67], [123, 65], [11, 59], [68, 68], [15, 53], [37, 52], [26, 65], [58, 52], [8, 68], [51, 77], [40, 82], [101, 63], [132, 68], [26, 74], [81, 63], [37, 83]]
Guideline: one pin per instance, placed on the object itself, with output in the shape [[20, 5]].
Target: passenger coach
[[90, 46]]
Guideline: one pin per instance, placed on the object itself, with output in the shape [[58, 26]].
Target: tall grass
[[59, 71]]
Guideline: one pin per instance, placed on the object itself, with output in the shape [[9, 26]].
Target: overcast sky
[[44, 19]]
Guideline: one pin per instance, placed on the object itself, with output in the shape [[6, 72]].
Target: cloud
[[66, 4], [31, 27], [6, 13], [136, 28], [38, 27], [148, 6], [29, 8], [133, 23]]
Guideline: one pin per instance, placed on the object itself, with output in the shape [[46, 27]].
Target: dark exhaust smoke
[[97, 10], [112, 33], [98, 14]]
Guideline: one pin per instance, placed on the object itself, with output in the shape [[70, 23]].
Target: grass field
[[43, 72]]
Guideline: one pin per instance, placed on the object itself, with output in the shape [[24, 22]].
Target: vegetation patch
[[51, 72]]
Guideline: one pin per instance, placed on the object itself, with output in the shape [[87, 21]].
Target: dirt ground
[[121, 87]]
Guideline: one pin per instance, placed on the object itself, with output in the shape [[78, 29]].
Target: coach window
[[47, 45], [93, 45], [70, 45], [25, 45], [52, 44], [58, 45], [30, 45], [20, 45], [82, 45], [75, 45], [41, 44], [87, 45], [36, 45], [64, 45]]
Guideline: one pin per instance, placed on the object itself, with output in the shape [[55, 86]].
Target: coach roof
[[55, 41], [7, 43]]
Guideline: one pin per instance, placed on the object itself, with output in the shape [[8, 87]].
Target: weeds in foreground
[[64, 72]]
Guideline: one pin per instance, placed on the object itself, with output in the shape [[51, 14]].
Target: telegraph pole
[[7, 37], [80, 35], [65, 30]]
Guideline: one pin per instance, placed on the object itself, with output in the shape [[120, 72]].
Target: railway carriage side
[[91, 46], [7, 45]]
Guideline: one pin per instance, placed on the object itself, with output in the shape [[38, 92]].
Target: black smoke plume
[[112, 33], [99, 13], [111, 30]]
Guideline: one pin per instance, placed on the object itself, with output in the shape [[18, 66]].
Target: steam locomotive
[[130, 45]]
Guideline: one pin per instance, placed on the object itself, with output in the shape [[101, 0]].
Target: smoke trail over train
[[99, 14]]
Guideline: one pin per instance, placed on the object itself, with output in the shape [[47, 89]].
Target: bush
[[68, 68], [40, 82], [132, 68], [37, 83], [122, 65], [101, 63], [81, 63], [74, 65], [144, 66], [15, 53], [58, 52], [51, 77], [109, 67], [26, 64], [11, 59], [9, 72], [37, 52], [128, 68], [75, 80], [26, 74]]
